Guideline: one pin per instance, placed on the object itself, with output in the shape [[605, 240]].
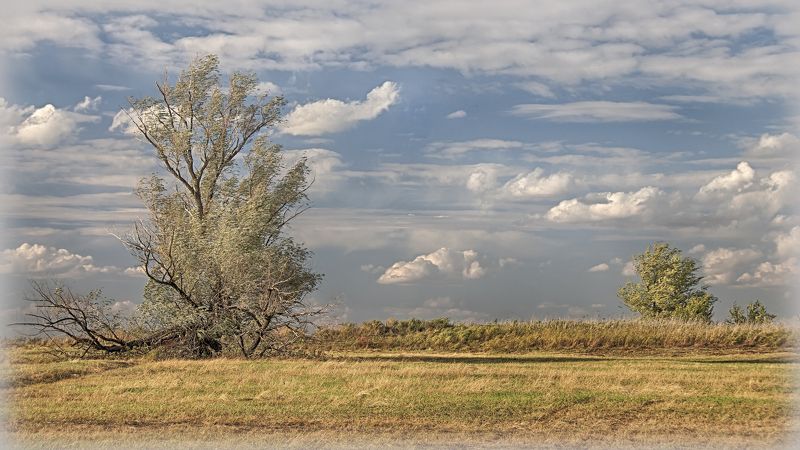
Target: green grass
[[532, 398]]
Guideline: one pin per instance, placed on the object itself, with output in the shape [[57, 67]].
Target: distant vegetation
[[756, 313], [554, 335], [670, 286]]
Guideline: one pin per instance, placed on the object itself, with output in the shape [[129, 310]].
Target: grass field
[[354, 398]]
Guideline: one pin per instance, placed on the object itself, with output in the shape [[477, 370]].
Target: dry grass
[[556, 335], [354, 398]]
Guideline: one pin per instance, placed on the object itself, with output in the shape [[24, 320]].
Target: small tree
[[669, 288], [756, 313], [222, 273]]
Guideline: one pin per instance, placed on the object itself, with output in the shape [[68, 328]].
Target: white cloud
[[597, 111], [112, 87], [723, 265], [40, 260], [371, 268], [457, 149], [507, 262], [268, 88], [444, 262], [602, 267], [774, 145], [536, 88], [697, 46], [332, 116], [137, 271], [740, 178], [482, 179], [88, 104], [438, 307], [629, 269], [46, 126], [460, 114], [24, 32], [536, 184], [697, 249], [788, 245], [11, 115], [771, 274], [604, 206]]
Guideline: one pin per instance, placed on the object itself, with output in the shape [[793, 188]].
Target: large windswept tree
[[670, 286], [222, 274]]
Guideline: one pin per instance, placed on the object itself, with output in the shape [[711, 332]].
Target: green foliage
[[669, 288], [756, 313], [222, 273]]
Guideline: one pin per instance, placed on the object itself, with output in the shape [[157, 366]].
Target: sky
[[472, 160]]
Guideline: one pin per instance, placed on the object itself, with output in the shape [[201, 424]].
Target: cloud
[[771, 274], [597, 111], [371, 268], [324, 164], [739, 179], [112, 87], [705, 48], [23, 32], [88, 104], [773, 146], [443, 262], [460, 114], [268, 88], [787, 245], [536, 88], [629, 269], [46, 126], [604, 206], [602, 267], [12, 115], [438, 307], [40, 260], [332, 116], [457, 149], [482, 179], [536, 184], [722, 265], [697, 249], [568, 310]]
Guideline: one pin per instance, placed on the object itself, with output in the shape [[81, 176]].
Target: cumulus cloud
[[787, 245], [460, 114], [604, 206], [771, 274], [442, 262], [482, 179], [332, 116], [268, 88], [40, 260], [88, 104], [45, 126], [740, 178], [597, 111], [723, 265], [602, 267], [776, 145], [536, 184]]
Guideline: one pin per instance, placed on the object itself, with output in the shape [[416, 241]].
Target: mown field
[[736, 397]]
